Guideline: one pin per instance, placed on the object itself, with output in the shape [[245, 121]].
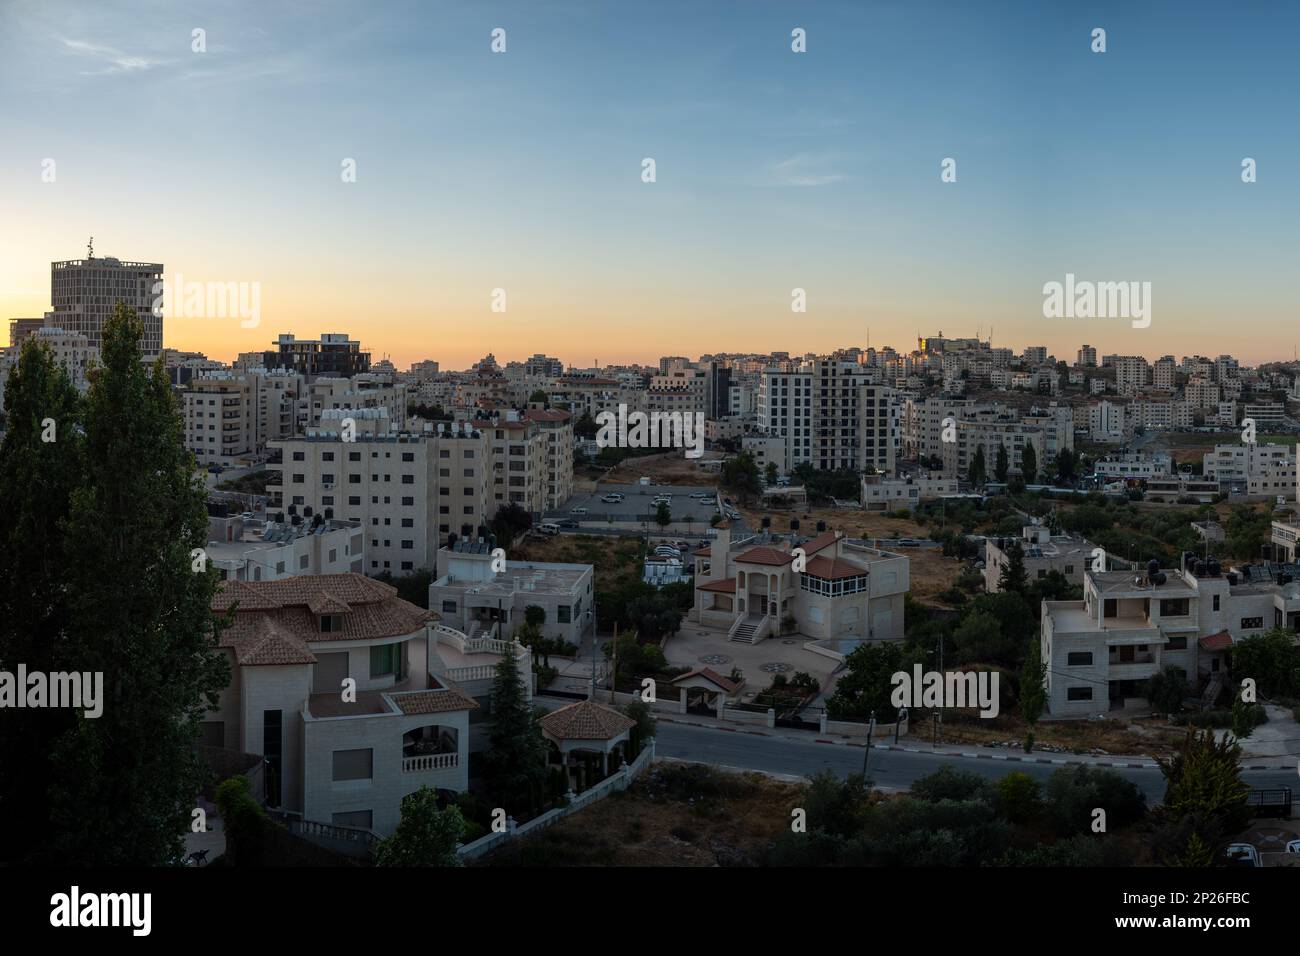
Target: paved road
[[889, 769]]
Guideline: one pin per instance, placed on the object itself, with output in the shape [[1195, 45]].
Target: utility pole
[[871, 729], [613, 674]]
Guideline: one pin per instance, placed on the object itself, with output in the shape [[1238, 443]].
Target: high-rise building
[[332, 354], [84, 292], [1087, 357]]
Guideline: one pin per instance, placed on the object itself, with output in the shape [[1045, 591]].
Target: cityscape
[[801, 574]]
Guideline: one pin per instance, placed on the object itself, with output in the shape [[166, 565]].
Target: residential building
[[1042, 553], [84, 293], [880, 493], [333, 354]]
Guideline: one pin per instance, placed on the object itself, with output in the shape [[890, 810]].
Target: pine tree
[[516, 762], [1001, 465], [138, 612], [1013, 576], [37, 478], [976, 472], [1029, 464]]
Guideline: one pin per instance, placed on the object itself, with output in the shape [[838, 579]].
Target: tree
[[1272, 660], [1065, 465], [1017, 797], [515, 765], [1033, 690], [1002, 464], [1029, 464], [740, 474], [139, 613], [865, 686], [535, 615], [511, 520], [37, 479], [1167, 689], [538, 397], [425, 836], [646, 725], [663, 516], [977, 473], [585, 427], [244, 822], [1013, 577], [770, 472], [1074, 792], [1203, 782]]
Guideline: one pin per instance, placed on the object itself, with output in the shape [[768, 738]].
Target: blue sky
[[775, 170]]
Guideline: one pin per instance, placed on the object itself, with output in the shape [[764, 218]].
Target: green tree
[[1002, 464], [244, 822], [1167, 689], [425, 836], [585, 427], [646, 725], [1013, 578], [139, 613], [663, 516], [1272, 660], [977, 472], [1033, 690], [770, 472], [865, 686], [515, 765], [740, 474], [1029, 464], [1065, 464], [538, 397], [1016, 797], [1074, 792], [37, 479], [1203, 782], [535, 615]]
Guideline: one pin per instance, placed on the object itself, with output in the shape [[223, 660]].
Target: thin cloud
[[806, 170], [118, 61]]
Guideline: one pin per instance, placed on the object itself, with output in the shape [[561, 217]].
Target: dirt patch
[[1154, 736], [616, 560], [675, 815]]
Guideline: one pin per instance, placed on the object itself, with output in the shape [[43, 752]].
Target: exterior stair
[[745, 633], [1212, 690]]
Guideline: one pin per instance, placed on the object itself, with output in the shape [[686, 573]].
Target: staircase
[[1212, 690], [744, 634]]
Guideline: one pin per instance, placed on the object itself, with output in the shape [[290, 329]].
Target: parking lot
[[637, 506]]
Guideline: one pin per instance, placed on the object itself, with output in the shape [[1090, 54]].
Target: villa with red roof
[[352, 696], [823, 588]]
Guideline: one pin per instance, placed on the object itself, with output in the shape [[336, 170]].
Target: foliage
[[515, 765], [1203, 783], [1013, 577], [1272, 660], [1167, 689], [425, 835], [865, 685], [740, 474], [413, 587], [1016, 797], [243, 821], [1073, 792]]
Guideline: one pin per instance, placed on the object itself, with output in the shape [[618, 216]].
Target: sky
[[774, 170]]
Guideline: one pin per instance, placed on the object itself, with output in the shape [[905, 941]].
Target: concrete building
[[844, 590], [333, 354], [1042, 553], [84, 293], [344, 758], [1101, 651], [254, 550], [478, 601], [220, 415], [893, 494]]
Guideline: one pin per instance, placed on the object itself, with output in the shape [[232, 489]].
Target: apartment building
[[1135, 465], [256, 550], [333, 354], [220, 416], [1269, 468], [519, 462], [1101, 651], [1164, 373], [409, 490], [1086, 357], [557, 430], [84, 293], [880, 493], [480, 602], [363, 390], [991, 430], [1042, 553], [1201, 393], [1132, 373], [844, 589], [922, 423]]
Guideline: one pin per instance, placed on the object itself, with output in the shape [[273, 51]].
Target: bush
[[244, 822], [948, 783], [1016, 797], [1074, 792]]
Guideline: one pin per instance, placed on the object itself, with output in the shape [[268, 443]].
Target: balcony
[[426, 762]]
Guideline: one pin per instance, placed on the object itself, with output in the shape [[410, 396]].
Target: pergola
[[590, 727]]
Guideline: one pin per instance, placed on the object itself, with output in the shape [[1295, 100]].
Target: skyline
[[775, 171]]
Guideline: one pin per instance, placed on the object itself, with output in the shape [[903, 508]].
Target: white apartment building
[[880, 493], [1101, 651], [479, 602], [1132, 374], [557, 430], [1234, 466], [258, 550], [1164, 374], [220, 416], [409, 490], [991, 430], [1135, 465], [1042, 553], [1086, 357], [1201, 393]]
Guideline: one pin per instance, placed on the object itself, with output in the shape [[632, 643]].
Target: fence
[[619, 780]]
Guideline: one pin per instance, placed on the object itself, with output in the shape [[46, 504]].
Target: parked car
[[1293, 846], [612, 499], [1242, 854], [578, 511], [548, 528], [247, 515]]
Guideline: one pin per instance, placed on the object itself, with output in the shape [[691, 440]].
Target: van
[[578, 511], [549, 528]]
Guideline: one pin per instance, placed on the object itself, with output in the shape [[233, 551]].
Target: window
[[354, 499], [1249, 623], [354, 456], [562, 614], [1176, 644], [298, 479], [408, 456], [388, 659], [1175, 607], [354, 764], [1110, 609], [408, 479], [299, 456], [1078, 693], [1216, 602], [1079, 658], [408, 502], [448, 607], [331, 623]]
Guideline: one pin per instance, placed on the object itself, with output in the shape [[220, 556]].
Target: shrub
[[1016, 797]]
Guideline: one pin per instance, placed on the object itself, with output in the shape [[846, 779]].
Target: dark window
[[1079, 693], [272, 750], [1079, 658], [354, 764], [1176, 644]]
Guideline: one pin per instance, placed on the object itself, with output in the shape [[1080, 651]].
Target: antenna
[[90, 248]]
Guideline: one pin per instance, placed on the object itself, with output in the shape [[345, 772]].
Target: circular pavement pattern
[[715, 659], [775, 668]]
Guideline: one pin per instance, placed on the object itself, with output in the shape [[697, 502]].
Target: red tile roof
[[764, 554], [725, 586], [586, 720], [1217, 642], [833, 569], [438, 701], [823, 540], [724, 683]]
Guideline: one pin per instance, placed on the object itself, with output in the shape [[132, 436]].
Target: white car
[[612, 499], [1293, 846], [578, 511], [1242, 854]]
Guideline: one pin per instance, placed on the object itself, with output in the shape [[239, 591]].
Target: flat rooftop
[[1122, 582], [530, 577]]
